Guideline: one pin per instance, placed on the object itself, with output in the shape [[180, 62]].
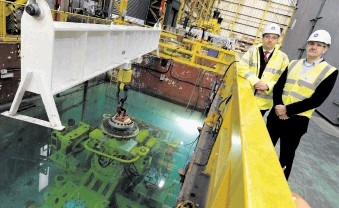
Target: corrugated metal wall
[[303, 24], [136, 8], [243, 20]]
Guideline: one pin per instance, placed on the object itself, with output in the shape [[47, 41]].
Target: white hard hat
[[320, 36], [272, 28]]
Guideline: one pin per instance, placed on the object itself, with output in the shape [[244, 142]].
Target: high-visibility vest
[[249, 67], [300, 86]]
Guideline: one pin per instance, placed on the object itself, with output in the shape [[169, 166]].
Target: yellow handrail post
[[2, 19], [268, 4], [235, 18], [196, 48], [63, 16], [180, 12]]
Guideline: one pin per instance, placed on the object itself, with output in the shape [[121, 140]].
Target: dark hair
[[263, 35]]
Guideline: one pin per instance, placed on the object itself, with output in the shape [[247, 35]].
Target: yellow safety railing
[[243, 166], [10, 19], [195, 53], [72, 17]]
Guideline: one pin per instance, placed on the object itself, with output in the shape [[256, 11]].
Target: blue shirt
[[308, 66]]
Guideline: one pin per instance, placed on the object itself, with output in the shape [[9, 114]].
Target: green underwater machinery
[[111, 166]]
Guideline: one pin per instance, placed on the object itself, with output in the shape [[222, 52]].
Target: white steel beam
[[59, 55]]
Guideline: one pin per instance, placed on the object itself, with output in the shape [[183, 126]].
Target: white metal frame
[[59, 55]]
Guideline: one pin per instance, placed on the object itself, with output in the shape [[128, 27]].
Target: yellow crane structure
[[242, 167]]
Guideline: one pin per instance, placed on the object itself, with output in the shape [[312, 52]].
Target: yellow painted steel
[[243, 167], [194, 53], [56, 15], [196, 10], [203, 10], [235, 17], [2, 19], [210, 8], [180, 11], [125, 76], [210, 26], [18, 3], [122, 7], [283, 34], [7, 8], [262, 21], [190, 52]]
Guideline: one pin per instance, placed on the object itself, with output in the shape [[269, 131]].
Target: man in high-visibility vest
[[262, 66], [301, 88]]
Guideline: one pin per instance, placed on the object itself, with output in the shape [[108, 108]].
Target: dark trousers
[[289, 132]]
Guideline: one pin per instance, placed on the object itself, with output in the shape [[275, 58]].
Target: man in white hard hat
[[262, 66], [301, 88]]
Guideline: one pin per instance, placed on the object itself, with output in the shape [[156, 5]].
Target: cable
[[227, 99], [152, 69], [191, 142], [199, 87], [185, 81], [168, 187], [189, 150], [223, 77], [189, 100], [216, 130]]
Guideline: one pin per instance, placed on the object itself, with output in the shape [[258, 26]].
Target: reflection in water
[[92, 169], [44, 176]]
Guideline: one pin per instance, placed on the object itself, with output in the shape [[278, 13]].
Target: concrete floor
[[315, 172]]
